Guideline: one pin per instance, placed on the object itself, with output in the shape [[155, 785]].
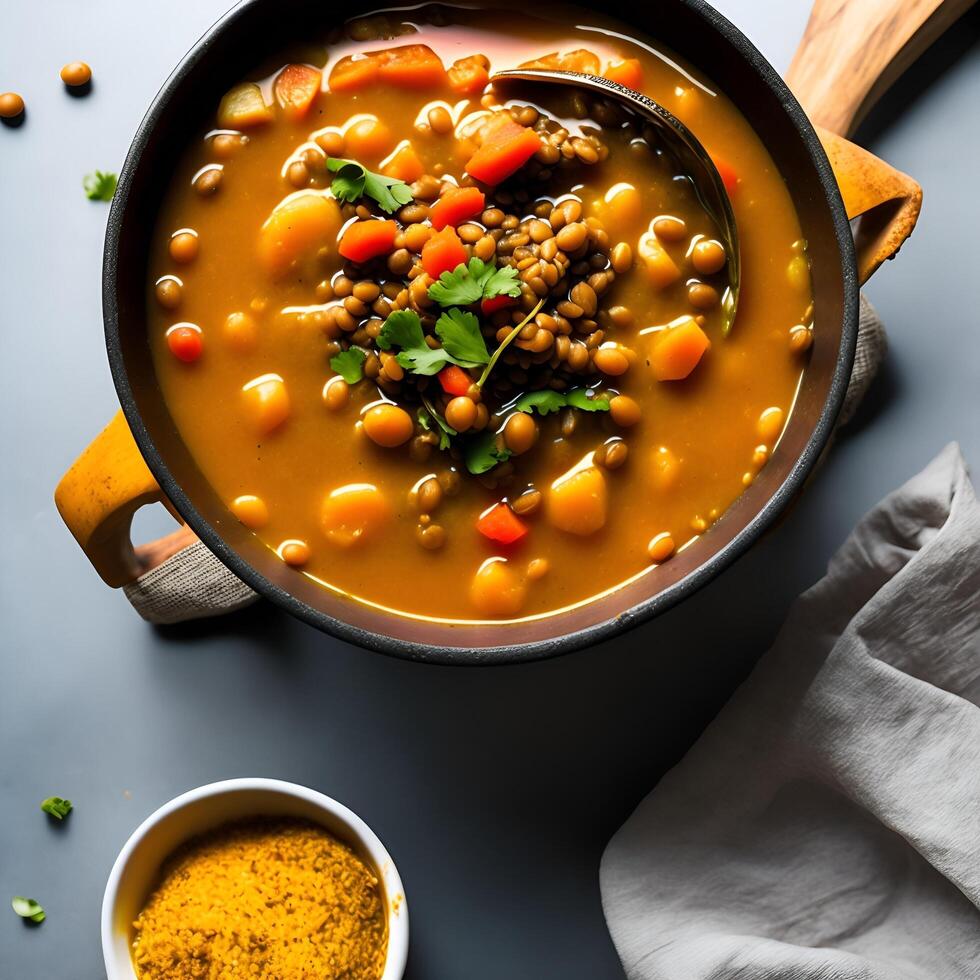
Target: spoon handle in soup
[[853, 50]]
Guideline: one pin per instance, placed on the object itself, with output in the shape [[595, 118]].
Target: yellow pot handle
[[98, 497]]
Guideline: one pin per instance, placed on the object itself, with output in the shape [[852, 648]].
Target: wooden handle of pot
[[98, 497], [851, 52]]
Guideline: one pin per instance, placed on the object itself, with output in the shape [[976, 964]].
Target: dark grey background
[[495, 789]]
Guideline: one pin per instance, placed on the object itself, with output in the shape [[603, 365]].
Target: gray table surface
[[494, 789]]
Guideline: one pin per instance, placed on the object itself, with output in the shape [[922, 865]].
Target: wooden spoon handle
[[852, 51]]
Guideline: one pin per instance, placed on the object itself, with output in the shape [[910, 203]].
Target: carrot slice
[[295, 88], [456, 206], [581, 59], [506, 147], [454, 380], [678, 350], [353, 73], [627, 72], [501, 524], [364, 240], [469, 76], [729, 177], [442, 253], [404, 164], [413, 66]]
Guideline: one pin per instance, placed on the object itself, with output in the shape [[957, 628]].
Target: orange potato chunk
[[660, 267], [266, 402], [498, 589], [299, 224], [678, 350], [243, 107], [353, 514], [578, 500]]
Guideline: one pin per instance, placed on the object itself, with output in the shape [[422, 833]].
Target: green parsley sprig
[[99, 186], [349, 364], [27, 908], [546, 401], [354, 181], [56, 807], [459, 331], [473, 281]]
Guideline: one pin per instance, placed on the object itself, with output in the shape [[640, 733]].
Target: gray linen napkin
[[193, 584], [826, 826]]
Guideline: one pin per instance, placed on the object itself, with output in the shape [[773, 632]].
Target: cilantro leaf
[[460, 334], [354, 181], [428, 416], [57, 807], [349, 364], [99, 186], [27, 908], [583, 399], [470, 282], [543, 402], [403, 329], [482, 453]]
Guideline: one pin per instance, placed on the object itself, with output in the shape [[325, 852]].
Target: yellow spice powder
[[272, 899]]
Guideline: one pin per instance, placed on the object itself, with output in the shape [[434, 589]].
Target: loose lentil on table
[[368, 486]]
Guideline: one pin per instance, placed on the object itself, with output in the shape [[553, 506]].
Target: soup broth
[[614, 428]]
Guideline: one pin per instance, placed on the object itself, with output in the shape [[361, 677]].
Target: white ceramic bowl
[[138, 865]]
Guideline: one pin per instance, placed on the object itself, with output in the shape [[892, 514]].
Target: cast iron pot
[[116, 475]]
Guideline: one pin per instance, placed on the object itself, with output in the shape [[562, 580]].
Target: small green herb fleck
[[585, 400], [543, 402], [27, 908], [57, 807], [469, 283], [429, 416], [349, 364], [460, 334], [99, 186], [354, 181], [482, 453]]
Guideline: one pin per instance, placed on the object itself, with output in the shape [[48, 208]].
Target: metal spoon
[[680, 143]]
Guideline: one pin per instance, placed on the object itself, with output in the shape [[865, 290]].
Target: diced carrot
[[495, 303], [501, 524], [295, 88], [454, 380], [506, 147], [469, 76], [727, 172], [442, 253], [580, 59], [456, 206], [628, 72], [413, 66], [404, 164], [678, 350], [364, 240], [353, 73]]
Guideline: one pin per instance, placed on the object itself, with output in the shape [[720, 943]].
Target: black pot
[[242, 39]]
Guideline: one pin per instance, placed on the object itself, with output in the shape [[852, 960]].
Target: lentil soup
[[459, 351]]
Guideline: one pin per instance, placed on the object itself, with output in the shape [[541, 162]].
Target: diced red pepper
[[507, 146], [501, 524], [727, 173], [456, 206], [495, 303], [295, 88], [185, 343], [364, 240], [442, 253], [454, 380]]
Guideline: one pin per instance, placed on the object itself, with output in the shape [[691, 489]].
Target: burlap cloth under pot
[[193, 584]]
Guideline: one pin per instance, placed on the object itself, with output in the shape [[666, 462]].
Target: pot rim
[[552, 646]]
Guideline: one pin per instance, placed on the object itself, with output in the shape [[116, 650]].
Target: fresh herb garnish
[[99, 186], [349, 364], [482, 453], [27, 908], [506, 341], [470, 282], [403, 329], [55, 806], [428, 415], [460, 334], [354, 181], [547, 401], [583, 399]]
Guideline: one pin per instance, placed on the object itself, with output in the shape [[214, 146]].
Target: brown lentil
[[702, 296], [611, 360], [440, 120], [670, 229], [168, 292], [428, 497], [661, 547]]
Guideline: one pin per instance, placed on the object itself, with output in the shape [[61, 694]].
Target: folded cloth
[[826, 826], [193, 584]]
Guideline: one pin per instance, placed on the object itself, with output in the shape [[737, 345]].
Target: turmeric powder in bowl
[[279, 899]]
